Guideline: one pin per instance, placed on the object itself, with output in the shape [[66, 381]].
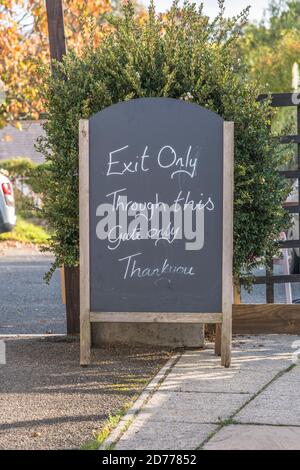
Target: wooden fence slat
[[289, 139], [280, 99], [283, 279], [237, 294], [266, 319], [292, 209], [290, 173], [289, 244]]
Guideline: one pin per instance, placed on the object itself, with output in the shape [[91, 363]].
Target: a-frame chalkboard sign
[[156, 217]]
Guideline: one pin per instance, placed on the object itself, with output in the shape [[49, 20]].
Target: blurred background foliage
[[271, 51], [272, 46], [269, 47]]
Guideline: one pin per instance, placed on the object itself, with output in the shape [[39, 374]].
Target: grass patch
[[226, 422], [109, 426], [135, 384], [26, 232], [132, 384]]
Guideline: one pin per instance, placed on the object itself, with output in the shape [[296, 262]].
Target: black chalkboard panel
[[156, 207]]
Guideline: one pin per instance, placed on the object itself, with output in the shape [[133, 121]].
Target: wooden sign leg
[[84, 236], [226, 339], [85, 342], [218, 339], [226, 336]]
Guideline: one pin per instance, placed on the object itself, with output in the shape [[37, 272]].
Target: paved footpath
[[196, 404]]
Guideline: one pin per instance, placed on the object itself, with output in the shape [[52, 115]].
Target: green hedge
[[182, 55]]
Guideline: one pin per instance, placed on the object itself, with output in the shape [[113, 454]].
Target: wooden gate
[[270, 317]]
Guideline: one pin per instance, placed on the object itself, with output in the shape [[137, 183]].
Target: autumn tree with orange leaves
[[24, 47]]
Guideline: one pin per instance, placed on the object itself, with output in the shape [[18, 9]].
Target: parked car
[[7, 205]]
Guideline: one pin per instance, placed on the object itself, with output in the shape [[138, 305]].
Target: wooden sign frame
[[223, 320]]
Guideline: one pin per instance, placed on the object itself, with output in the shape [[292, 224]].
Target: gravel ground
[[47, 401], [28, 304]]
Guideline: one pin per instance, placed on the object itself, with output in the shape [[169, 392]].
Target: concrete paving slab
[[269, 408], [198, 393], [262, 359], [146, 434], [247, 437], [252, 353], [271, 342], [218, 380], [288, 384], [192, 407], [265, 343]]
